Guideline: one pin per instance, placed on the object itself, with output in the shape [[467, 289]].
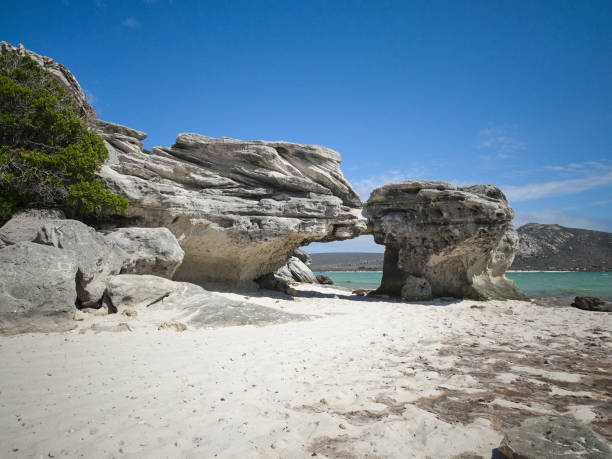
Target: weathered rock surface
[[25, 224], [60, 73], [558, 437], [591, 303], [149, 251], [37, 289], [303, 256], [194, 305], [459, 240], [238, 208], [96, 256], [296, 270], [325, 280]]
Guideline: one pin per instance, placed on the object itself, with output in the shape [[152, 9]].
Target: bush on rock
[[48, 157]]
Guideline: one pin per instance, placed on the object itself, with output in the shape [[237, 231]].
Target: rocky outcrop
[[296, 271], [302, 256], [60, 73], [238, 208], [96, 257], [25, 224], [444, 241], [192, 304], [37, 288], [149, 251], [553, 436]]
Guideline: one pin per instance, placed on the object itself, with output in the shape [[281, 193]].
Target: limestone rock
[[149, 251], [303, 256], [591, 303], [559, 437], [190, 303], [37, 288], [323, 279], [25, 224], [59, 73], [296, 270], [460, 241], [238, 208], [96, 256], [416, 289]]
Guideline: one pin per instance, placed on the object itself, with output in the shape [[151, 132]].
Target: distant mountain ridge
[[555, 247], [541, 248]]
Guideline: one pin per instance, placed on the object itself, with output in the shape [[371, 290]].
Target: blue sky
[[517, 94]]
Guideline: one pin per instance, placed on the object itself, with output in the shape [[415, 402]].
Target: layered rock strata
[[444, 241], [238, 208]]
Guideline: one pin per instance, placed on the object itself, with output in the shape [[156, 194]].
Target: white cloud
[[559, 217], [497, 140], [591, 174], [365, 186], [131, 23]]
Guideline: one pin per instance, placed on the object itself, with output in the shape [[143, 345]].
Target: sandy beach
[[355, 377]]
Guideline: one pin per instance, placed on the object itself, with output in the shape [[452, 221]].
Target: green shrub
[[48, 157]]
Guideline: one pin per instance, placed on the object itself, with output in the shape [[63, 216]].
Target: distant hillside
[[554, 247], [351, 261], [541, 248]]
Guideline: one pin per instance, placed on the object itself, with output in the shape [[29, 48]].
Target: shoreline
[[509, 271], [353, 377]]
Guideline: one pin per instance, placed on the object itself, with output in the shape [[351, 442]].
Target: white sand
[[354, 381]]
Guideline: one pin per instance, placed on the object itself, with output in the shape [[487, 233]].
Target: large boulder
[[149, 251], [553, 436], [189, 303], [444, 241], [96, 256], [238, 208], [296, 270], [37, 288], [25, 224]]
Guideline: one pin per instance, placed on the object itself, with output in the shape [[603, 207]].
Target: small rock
[[342, 426], [129, 313], [325, 280], [79, 315], [591, 303]]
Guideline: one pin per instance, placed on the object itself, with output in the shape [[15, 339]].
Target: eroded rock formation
[[238, 208], [444, 241]]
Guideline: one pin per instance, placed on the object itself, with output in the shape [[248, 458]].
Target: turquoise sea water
[[534, 284]]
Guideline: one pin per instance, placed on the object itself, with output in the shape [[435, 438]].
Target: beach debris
[[176, 326], [553, 436], [129, 313]]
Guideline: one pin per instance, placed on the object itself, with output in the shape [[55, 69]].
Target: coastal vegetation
[[48, 157]]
